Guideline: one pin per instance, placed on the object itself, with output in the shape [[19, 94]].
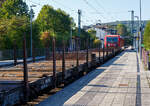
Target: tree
[[92, 34], [146, 38], [1, 2], [36, 35], [4, 23], [97, 42], [13, 7], [63, 27], [14, 19], [45, 18], [122, 30], [46, 37], [13, 30], [56, 21]]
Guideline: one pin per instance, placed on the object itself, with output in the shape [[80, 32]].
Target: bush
[[146, 38]]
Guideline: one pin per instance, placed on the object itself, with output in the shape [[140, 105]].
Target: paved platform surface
[[120, 82]]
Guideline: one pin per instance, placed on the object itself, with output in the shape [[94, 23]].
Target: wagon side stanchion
[[33, 53], [77, 52], [112, 52], [15, 53], [107, 51], [103, 54], [148, 61], [63, 63], [47, 49], [115, 51], [87, 54], [54, 61], [26, 84], [99, 53]]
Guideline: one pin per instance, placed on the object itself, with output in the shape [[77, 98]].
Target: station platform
[[122, 81]]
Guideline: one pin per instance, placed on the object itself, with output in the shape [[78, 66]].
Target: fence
[[61, 66], [9, 54], [146, 58]]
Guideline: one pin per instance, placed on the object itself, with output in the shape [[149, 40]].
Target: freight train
[[113, 41]]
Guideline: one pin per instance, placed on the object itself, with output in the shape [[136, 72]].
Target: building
[[101, 31]]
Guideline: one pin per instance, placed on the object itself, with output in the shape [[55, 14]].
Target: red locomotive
[[113, 41]]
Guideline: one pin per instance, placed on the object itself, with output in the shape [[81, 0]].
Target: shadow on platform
[[65, 94]]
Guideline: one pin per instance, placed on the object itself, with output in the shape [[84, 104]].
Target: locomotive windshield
[[112, 39]]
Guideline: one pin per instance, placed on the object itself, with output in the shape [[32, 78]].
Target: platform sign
[[134, 31], [137, 38], [142, 45]]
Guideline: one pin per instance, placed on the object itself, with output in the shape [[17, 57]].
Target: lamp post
[[71, 47], [138, 29], [31, 11], [132, 24]]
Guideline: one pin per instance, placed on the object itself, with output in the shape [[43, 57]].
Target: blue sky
[[94, 10]]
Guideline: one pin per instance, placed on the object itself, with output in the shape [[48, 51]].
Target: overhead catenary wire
[[87, 18], [95, 9], [91, 6], [99, 4], [72, 10], [75, 11], [114, 15], [35, 3], [64, 6]]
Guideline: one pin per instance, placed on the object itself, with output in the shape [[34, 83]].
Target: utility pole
[[77, 39], [132, 25], [138, 30], [79, 22], [71, 47], [31, 15]]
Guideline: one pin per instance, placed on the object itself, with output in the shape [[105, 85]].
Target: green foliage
[[97, 42], [14, 19], [63, 22], [36, 35], [12, 30], [45, 18], [15, 22], [146, 38], [122, 30], [13, 7], [93, 39], [46, 37], [56, 21], [92, 34]]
